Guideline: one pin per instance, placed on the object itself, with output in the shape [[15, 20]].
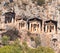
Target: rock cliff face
[[28, 9], [21, 7]]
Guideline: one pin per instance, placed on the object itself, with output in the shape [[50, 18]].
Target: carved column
[[30, 27], [49, 28], [12, 20], [46, 28]]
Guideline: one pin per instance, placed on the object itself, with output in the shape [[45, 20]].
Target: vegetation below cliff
[[17, 48], [11, 44]]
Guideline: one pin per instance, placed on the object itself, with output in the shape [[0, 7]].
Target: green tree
[[10, 49], [5, 40], [16, 43], [44, 50], [41, 50], [37, 41], [17, 49]]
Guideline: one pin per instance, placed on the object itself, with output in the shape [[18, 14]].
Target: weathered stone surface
[[27, 9]]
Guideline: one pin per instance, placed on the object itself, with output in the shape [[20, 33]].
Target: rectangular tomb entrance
[[50, 26], [35, 25]]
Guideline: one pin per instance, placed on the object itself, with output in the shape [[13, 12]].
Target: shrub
[[37, 41], [10, 49], [17, 49], [41, 50], [5, 40]]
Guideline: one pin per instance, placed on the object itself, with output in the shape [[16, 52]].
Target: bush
[[38, 41], [41, 50], [17, 49], [5, 40], [10, 49]]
